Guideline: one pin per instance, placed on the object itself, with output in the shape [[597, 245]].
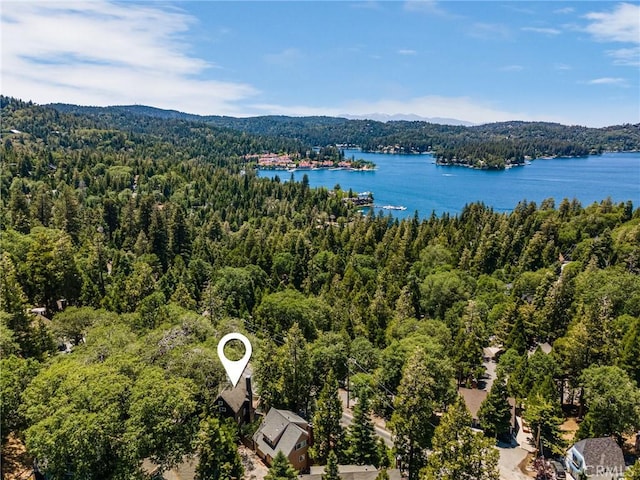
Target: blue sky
[[571, 62]]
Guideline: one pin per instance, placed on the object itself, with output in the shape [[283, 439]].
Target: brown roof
[[473, 398], [235, 397]]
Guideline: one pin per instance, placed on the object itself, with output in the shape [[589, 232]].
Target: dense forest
[[493, 146], [146, 239]]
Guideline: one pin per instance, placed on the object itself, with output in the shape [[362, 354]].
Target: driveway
[[509, 463]]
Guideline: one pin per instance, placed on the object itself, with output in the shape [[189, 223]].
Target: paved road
[[347, 419]]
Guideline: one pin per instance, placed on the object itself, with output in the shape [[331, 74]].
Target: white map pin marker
[[234, 368]]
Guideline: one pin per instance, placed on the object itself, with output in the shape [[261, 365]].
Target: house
[[595, 459], [283, 430], [474, 397], [352, 472], [237, 402]]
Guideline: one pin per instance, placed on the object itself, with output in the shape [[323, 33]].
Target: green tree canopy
[[361, 435], [281, 469], [217, 451], [613, 402], [426, 385], [331, 469], [327, 430], [459, 453], [495, 410]]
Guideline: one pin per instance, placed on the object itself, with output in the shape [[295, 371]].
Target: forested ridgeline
[[494, 145], [160, 241]]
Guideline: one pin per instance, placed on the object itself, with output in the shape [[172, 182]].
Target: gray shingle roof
[[602, 451], [283, 429]]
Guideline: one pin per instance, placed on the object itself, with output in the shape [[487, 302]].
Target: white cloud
[[102, 53], [289, 57], [489, 31], [607, 81], [626, 56], [461, 108], [562, 66], [564, 11], [543, 30], [512, 68], [406, 51], [425, 6], [620, 25]]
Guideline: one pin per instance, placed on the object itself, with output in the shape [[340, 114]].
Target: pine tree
[[19, 208], [295, 364], [363, 449], [331, 470], [66, 213], [495, 411], [217, 451], [328, 433], [426, 383], [542, 415], [158, 237], [629, 358], [459, 453], [281, 469], [41, 205]]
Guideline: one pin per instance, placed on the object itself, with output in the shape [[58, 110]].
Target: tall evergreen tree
[[14, 303], [19, 208], [419, 394], [542, 414], [459, 453], [327, 431], [331, 469], [281, 469], [361, 437], [296, 371], [159, 237], [495, 411], [66, 212]]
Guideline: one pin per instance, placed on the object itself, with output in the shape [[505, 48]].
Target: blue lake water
[[414, 181]]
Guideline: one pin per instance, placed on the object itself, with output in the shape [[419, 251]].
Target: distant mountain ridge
[[384, 117], [176, 114], [492, 145]]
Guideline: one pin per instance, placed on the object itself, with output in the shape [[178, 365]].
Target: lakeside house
[[595, 459], [272, 161]]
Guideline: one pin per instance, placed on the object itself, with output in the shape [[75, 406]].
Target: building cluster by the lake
[[273, 161]]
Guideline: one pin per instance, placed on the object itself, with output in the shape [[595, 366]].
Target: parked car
[[558, 467]]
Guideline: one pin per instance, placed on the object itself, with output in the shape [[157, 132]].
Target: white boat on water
[[394, 207]]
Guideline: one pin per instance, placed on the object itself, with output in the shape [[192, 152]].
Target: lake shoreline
[[416, 182]]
